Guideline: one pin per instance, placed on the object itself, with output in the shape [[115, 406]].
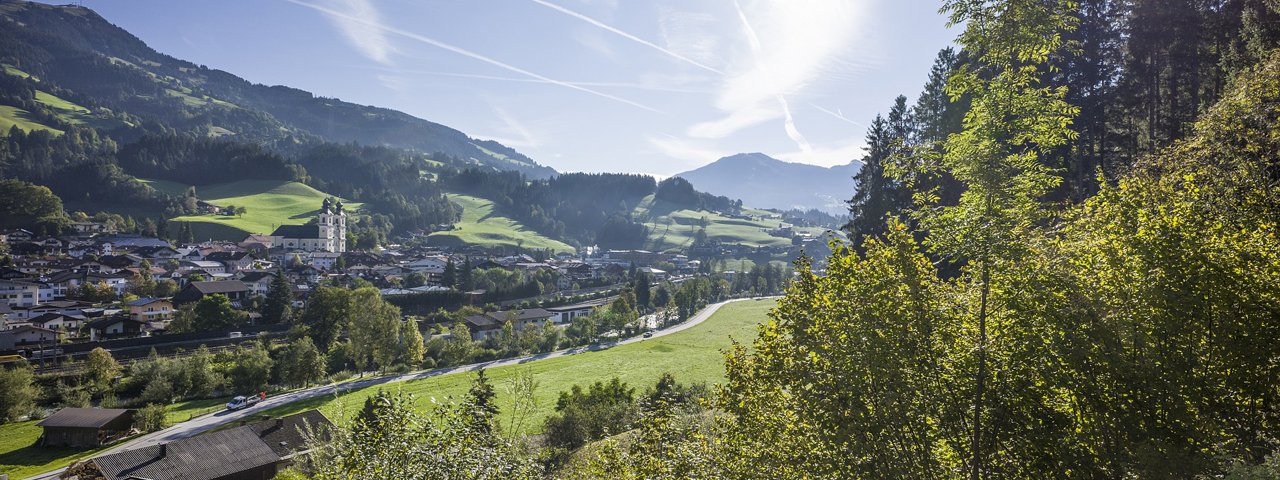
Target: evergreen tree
[[450, 277], [279, 300]]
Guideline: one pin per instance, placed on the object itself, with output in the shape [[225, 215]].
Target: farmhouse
[[484, 325], [85, 427], [234, 290]]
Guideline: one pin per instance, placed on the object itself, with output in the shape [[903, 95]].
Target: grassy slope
[[481, 226], [20, 458], [673, 229], [10, 116], [270, 204], [693, 355]]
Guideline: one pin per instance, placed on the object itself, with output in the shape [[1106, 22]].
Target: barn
[[85, 427]]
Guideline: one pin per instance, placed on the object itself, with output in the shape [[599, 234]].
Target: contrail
[[788, 122], [627, 36], [468, 53], [837, 115]]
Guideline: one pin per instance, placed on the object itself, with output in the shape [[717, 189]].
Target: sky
[[656, 87]]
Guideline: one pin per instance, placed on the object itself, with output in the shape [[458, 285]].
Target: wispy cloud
[[626, 35], [839, 115], [828, 155], [387, 29], [355, 21], [642, 84], [517, 135], [693, 152]]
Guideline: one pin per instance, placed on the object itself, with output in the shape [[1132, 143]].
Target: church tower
[[332, 226]]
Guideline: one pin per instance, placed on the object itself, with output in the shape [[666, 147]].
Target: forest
[[1065, 265]]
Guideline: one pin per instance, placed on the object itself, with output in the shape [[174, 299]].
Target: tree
[[415, 279], [641, 287], [101, 370], [413, 346], [450, 277], [279, 300], [200, 369], [584, 415], [374, 329], [251, 371], [327, 313], [19, 387], [214, 312], [879, 195], [33, 207], [302, 363], [151, 418]]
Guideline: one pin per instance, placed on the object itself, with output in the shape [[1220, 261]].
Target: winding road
[[210, 421]]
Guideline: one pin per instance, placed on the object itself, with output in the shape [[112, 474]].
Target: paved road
[[208, 422]]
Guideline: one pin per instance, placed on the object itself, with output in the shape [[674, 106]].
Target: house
[[210, 267], [429, 265], [325, 260], [655, 274], [247, 452], [20, 293], [85, 427], [566, 314], [26, 334], [259, 283], [62, 307], [150, 310], [115, 327], [58, 321], [164, 252], [234, 290], [328, 234], [487, 324], [233, 261], [133, 241]]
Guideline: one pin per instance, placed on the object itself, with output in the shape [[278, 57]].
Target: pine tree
[[279, 299], [450, 277]]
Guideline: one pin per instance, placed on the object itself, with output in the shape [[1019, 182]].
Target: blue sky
[[654, 87]]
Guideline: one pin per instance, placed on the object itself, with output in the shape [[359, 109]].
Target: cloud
[[356, 20], [839, 115], [827, 156], [519, 135], [373, 23], [792, 43], [626, 35], [695, 153]]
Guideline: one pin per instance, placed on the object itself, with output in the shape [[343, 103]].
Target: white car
[[242, 402]]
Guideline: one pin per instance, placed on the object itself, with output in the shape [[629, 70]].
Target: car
[[234, 335], [648, 334], [243, 402]]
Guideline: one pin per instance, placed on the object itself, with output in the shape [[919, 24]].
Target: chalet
[[258, 243], [119, 242], [18, 235], [26, 334], [116, 327], [234, 290], [89, 228], [118, 281], [156, 252], [325, 260], [150, 310], [566, 314], [248, 452], [654, 273], [428, 264], [85, 427], [61, 307], [487, 324]]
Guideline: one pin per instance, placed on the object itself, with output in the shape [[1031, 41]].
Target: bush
[[151, 418]]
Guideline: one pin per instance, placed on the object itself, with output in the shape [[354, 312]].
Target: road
[[211, 421]]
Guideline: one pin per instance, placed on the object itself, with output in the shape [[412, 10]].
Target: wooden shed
[[85, 427]]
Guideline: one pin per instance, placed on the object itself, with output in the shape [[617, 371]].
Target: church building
[[328, 234]]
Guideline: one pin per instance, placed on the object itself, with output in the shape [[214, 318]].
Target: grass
[[21, 458], [10, 116], [672, 228], [481, 226], [269, 204], [12, 70], [165, 186], [693, 356]]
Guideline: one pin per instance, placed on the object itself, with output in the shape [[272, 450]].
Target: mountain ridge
[[762, 181]]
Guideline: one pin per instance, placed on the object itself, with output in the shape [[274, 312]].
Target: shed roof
[[83, 417], [203, 457]]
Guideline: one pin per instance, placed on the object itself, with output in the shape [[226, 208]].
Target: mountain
[[765, 182], [123, 87]]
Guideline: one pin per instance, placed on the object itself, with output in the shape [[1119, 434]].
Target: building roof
[[288, 435], [599, 302], [83, 417], [202, 457], [142, 302], [297, 231], [223, 286], [493, 319], [103, 323]]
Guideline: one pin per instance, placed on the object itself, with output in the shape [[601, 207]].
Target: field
[[481, 226], [20, 458], [673, 229], [269, 204], [693, 356], [10, 116]]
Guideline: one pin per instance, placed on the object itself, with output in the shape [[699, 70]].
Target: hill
[[480, 225], [121, 81], [268, 205], [672, 227], [762, 181]]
